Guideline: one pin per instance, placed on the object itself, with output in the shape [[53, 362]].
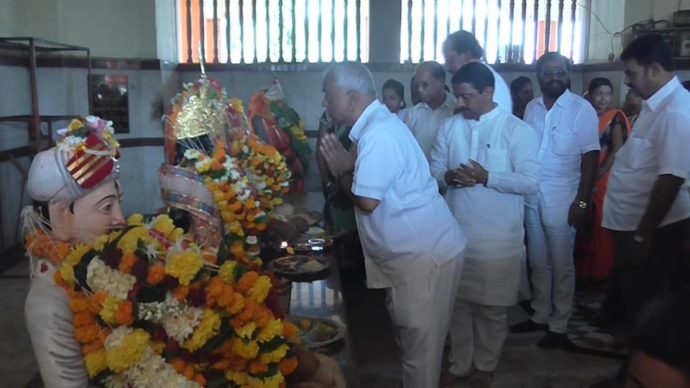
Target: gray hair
[[352, 76]]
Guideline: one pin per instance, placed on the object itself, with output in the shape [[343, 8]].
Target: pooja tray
[[300, 268], [318, 333]]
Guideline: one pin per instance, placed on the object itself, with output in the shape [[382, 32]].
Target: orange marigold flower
[[288, 365], [200, 379], [128, 262], [181, 293], [247, 281], [79, 304], [83, 318], [257, 367], [221, 365], [92, 346], [289, 330], [86, 334], [156, 274], [178, 364], [188, 372], [262, 316], [124, 315], [238, 364]]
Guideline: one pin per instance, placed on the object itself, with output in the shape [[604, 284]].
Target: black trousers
[[664, 268]]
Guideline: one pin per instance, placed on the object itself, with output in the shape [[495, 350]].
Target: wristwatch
[[581, 204], [638, 238]]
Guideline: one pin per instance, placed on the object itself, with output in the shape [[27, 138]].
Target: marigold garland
[[156, 310]]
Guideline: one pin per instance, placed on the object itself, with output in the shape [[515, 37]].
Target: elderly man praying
[[397, 206]]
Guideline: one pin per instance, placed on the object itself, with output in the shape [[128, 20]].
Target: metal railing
[[273, 31], [510, 31]]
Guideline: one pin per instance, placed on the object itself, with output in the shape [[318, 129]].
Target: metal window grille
[[510, 31], [273, 31]]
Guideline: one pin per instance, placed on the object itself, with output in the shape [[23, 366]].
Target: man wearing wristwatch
[[647, 206], [569, 154]]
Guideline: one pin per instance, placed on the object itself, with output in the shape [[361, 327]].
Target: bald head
[[348, 89], [433, 68]]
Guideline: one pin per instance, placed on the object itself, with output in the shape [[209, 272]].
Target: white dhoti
[[421, 311]]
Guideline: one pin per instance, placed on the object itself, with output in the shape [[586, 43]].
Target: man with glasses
[[569, 154]]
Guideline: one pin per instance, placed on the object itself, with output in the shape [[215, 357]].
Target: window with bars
[[273, 31], [510, 31]]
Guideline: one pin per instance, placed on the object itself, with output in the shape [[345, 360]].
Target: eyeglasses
[[554, 74]]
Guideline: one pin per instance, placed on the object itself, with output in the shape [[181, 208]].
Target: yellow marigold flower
[[128, 242], [275, 381], [272, 330], [239, 378], [226, 273], [276, 355], [184, 266], [96, 362], [237, 303], [157, 346], [247, 350], [75, 124], [207, 329], [100, 242], [260, 289], [109, 309], [129, 351], [246, 331], [135, 219], [67, 273], [77, 253], [164, 225]]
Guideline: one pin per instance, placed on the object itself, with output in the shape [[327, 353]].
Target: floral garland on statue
[[153, 309], [270, 105], [263, 163], [247, 183], [290, 122]]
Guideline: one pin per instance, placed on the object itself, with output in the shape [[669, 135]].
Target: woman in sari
[[614, 129]]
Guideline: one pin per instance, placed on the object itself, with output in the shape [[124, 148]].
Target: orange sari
[[599, 260]]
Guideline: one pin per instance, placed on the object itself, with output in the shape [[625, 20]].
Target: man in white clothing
[[569, 154], [647, 206], [396, 205], [461, 48], [487, 160], [425, 118]]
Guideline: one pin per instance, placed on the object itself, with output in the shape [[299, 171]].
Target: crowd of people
[[453, 203], [473, 189]]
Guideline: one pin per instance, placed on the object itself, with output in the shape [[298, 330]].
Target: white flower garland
[[100, 277]]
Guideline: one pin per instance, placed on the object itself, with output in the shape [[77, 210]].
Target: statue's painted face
[[90, 216]]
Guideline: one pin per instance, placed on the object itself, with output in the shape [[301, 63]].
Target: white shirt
[[491, 217], [396, 238], [566, 131], [501, 91], [424, 122], [402, 114], [657, 146]]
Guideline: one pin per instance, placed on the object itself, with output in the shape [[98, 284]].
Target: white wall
[[63, 91], [122, 28]]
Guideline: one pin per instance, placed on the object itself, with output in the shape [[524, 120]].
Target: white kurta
[[491, 217], [424, 122], [49, 320]]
